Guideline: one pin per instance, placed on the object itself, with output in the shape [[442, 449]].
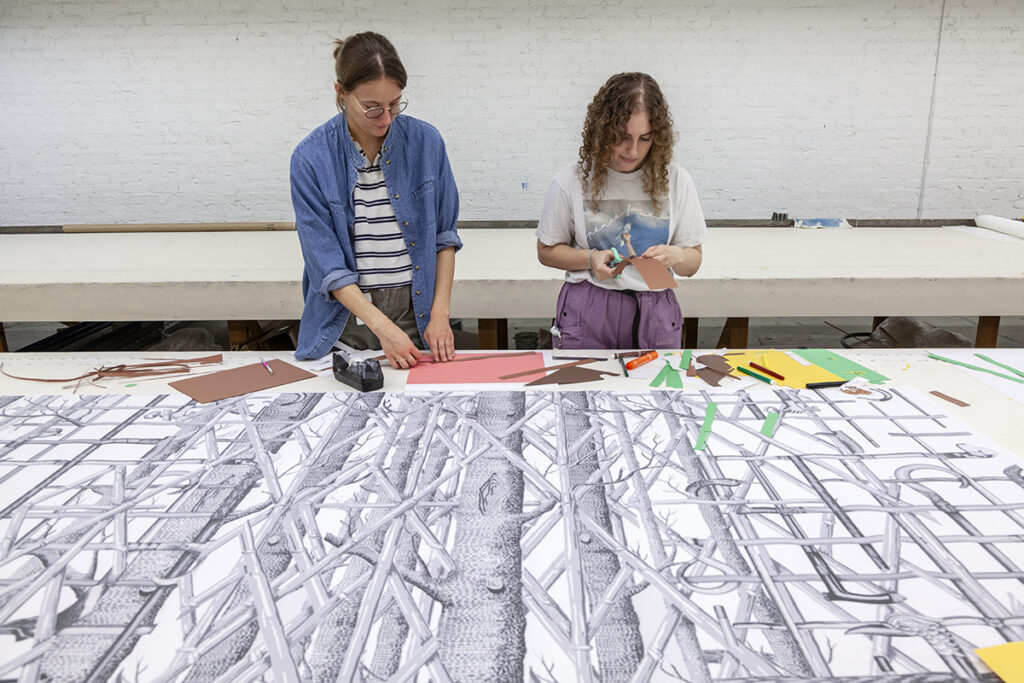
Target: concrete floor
[[763, 333]]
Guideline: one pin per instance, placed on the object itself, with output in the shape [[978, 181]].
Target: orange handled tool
[[646, 358]]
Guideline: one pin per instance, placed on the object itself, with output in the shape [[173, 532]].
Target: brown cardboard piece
[[238, 381], [571, 376], [716, 369], [654, 274]]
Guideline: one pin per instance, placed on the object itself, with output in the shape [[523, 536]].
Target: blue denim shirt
[[423, 195]]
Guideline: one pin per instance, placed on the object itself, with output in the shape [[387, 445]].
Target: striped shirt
[[381, 256]]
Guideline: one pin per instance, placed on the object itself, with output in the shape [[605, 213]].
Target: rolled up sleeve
[[447, 205], [326, 265]]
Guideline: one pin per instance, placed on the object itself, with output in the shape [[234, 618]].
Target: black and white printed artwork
[[504, 536]]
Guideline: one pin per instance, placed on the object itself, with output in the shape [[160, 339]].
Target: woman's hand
[[683, 261], [397, 346], [666, 254], [439, 337], [599, 264]]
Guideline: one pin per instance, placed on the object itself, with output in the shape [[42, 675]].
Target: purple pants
[[592, 317]]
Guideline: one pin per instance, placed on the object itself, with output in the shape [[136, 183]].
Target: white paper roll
[[1000, 224]]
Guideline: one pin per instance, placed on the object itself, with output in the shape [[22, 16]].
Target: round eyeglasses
[[377, 112]]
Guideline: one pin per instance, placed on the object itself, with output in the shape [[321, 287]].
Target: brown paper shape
[[654, 274], [571, 376], [239, 381], [954, 401], [716, 368]]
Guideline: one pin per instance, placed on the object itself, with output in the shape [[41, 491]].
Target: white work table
[[889, 514], [995, 406], [747, 272]]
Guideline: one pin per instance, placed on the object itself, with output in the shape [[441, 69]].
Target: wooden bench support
[[241, 331], [690, 326], [734, 334], [988, 332], [493, 333]]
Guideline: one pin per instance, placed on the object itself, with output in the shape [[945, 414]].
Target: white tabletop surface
[[996, 406], [747, 272]]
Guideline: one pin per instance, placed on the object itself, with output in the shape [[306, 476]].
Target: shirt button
[[417, 291], [421, 315], [396, 196], [417, 267], [405, 222], [388, 161], [412, 244]]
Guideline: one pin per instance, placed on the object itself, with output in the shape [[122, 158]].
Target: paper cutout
[[839, 365], [668, 376], [572, 375], [684, 363], [488, 368], [552, 367], [1004, 366], [715, 369], [654, 273], [136, 370], [796, 373], [768, 428], [705, 429], [239, 381], [1006, 661], [954, 401]]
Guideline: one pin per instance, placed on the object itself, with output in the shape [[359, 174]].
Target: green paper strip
[[684, 364], [705, 429], [768, 428], [1004, 366], [662, 376], [838, 365], [668, 376], [976, 367]]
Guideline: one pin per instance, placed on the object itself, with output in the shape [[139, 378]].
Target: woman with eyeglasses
[[375, 209], [625, 197]]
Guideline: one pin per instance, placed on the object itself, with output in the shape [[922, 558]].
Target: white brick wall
[[187, 110]]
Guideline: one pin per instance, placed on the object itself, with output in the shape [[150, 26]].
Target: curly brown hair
[[607, 116]]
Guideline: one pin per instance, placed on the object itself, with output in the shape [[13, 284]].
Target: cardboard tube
[[177, 227], [1000, 224]]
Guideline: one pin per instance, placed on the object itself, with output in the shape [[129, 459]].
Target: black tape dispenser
[[364, 375]]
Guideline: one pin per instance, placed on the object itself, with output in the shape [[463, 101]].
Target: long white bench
[[747, 273]]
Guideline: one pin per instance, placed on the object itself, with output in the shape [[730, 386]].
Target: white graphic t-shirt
[[624, 217]]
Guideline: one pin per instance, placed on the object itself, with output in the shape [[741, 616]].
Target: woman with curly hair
[[626, 194]]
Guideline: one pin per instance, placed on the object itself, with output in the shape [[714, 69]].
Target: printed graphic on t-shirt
[[621, 223]]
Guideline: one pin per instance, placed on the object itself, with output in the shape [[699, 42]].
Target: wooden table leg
[[241, 331], [493, 333], [690, 332], [3, 340], [988, 332], [734, 334]]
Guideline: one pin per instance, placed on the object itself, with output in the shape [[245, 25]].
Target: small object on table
[[755, 375], [637, 362], [770, 373], [363, 375], [269, 369], [825, 385], [947, 397]]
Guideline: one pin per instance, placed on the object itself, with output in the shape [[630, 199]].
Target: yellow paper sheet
[[1006, 660], [797, 375]]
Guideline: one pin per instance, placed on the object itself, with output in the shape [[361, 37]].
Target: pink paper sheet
[[484, 371]]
